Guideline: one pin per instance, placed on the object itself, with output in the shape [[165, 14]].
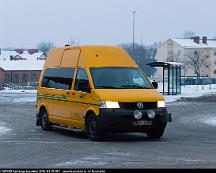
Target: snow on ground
[[210, 121], [186, 91], [18, 91], [3, 130], [192, 91], [25, 99]]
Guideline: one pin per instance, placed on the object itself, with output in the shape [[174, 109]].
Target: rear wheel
[[93, 130], [45, 124]]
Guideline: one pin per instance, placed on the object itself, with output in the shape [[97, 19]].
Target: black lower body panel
[[122, 120]]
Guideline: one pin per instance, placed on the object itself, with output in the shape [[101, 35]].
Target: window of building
[[170, 53], [7, 78], [25, 78], [214, 71], [15, 78], [34, 78], [215, 53], [59, 78], [215, 62], [195, 52]]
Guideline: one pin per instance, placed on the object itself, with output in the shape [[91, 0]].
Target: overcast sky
[[25, 23]]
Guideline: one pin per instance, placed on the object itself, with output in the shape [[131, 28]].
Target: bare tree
[[196, 61], [45, 46], [188, 34], [142, 55]]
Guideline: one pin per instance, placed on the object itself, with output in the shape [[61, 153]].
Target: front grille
[[133, 105]]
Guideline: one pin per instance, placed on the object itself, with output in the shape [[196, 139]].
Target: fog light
[[137, 114], [151, 114]]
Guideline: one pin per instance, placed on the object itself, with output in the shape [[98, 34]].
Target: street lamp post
[[134, 12]]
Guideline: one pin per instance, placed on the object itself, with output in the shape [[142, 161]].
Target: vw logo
[[140, 105]]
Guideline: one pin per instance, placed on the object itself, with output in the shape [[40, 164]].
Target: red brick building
[[20, 68]]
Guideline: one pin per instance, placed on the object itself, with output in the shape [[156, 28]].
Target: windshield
[[119, 78]]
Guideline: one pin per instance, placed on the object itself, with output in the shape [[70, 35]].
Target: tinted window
[[81, 78], [7, 78], [16, 78], [25, 77], [60, 78], [34, 77], [119, 78]]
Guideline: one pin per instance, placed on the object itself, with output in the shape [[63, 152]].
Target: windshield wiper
[[107, 87], [136, 86]]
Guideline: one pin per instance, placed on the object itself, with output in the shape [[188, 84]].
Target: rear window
[[59, 78]]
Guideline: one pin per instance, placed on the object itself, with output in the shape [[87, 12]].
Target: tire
[[155, 134], [45, 124], [94, 132]]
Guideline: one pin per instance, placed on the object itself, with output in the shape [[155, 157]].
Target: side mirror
[[84, 86], [155, 84]]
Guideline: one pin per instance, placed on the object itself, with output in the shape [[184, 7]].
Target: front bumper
[[121, 120]]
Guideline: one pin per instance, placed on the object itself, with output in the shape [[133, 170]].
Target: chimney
[[31, 51], [11, 57], [204, 40], [19, 51], [196, 39]]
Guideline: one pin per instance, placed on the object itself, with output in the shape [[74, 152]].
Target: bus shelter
[[171, 75]]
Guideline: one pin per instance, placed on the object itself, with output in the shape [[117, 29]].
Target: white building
[[179, 50]]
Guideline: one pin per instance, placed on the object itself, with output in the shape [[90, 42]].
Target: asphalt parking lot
[[189, 141]]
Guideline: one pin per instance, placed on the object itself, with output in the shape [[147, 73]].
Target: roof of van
[[91, 56]]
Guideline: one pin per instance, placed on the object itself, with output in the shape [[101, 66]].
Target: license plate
[[142, 123]]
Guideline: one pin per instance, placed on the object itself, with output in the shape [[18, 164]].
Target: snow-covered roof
[[174, 63], [5, 55], [22, 64], [189, 43], [30, 61]]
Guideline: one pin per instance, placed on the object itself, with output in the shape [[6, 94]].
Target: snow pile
[[210, 121], [3, 130], [192, 91]]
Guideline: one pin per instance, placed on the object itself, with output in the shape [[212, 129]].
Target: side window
[[16, 78], [25, 78], [59, 78], [82, 82], [34, 77], [7, 78]]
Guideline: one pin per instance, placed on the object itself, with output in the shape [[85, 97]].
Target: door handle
[[82, 95]]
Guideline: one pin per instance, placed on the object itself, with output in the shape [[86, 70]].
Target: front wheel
[[156, 134], [93, 130], [45, 124]]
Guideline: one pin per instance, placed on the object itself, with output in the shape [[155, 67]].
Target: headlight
[[161, 104], [108, 104]]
